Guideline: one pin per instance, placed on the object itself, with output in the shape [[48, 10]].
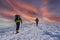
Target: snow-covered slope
[[31, 32]]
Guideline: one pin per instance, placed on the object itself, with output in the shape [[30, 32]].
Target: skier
[[18, 20], [37, 20]]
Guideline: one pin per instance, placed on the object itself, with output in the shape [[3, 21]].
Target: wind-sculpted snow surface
[[31, 32]]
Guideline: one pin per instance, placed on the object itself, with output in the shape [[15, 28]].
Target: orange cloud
[[26, 11]]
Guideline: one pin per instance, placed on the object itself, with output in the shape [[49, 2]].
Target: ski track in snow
[[31, 32]]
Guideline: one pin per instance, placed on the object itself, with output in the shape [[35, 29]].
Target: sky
[[29, 10]]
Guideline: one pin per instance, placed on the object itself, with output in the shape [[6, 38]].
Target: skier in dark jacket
[[37, 20], [18, 20]]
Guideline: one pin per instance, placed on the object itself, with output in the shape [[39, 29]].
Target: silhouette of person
[[37, 20], [18, 20]]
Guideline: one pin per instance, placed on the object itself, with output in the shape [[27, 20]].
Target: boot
[[17, 31]]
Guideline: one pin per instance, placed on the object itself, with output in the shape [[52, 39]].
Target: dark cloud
[[54, 7], [5, 5], [36, 3]]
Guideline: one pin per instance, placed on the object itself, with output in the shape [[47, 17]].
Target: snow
[[44, 31]]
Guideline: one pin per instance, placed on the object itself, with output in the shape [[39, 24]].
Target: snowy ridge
[[31, 32]]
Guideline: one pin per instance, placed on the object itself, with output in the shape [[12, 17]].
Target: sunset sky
[[48, 10]]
